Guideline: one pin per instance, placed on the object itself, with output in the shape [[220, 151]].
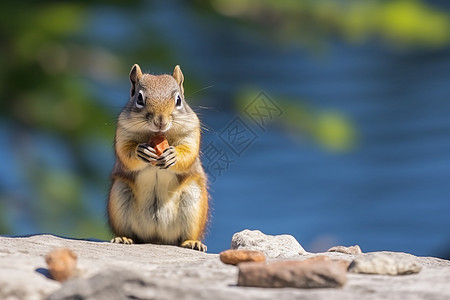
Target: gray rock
[[168, 272], [385, 263], [273, 246], [346, 250]]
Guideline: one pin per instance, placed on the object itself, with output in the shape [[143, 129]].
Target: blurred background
[[327, 120]]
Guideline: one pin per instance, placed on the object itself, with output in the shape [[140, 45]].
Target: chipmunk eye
[[140, 100], [178, 102]]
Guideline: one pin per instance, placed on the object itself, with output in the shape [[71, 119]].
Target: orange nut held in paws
[[62, 263], [159, 143], [233, 257]]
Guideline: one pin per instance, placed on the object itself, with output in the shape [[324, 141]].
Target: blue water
[[372, 197], [390, 192]]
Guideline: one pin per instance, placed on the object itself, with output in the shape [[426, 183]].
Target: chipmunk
[[158, 199]]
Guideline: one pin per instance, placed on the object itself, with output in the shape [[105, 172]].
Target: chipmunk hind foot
[[122, 240], [195, 245]]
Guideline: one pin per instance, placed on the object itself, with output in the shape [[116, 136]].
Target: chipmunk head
[[156, 102]]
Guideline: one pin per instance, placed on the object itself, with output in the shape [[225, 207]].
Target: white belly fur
[[158, 211]]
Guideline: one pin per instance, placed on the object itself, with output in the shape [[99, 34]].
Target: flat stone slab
[[114, 271], [315, 272]]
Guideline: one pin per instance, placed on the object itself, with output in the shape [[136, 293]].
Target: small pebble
[[62, 263], [233, 257]]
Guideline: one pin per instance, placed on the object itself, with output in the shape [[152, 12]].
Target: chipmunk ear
[[135, 76], [178, 75]]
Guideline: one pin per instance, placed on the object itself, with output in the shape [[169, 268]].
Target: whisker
[[202, 89]]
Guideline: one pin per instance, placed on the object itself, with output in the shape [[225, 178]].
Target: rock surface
[[233, 257], [316, 272], [273, 246], [114, 271], [385, 263]]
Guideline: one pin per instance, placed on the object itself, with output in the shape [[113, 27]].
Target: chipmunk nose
[[160, 122]]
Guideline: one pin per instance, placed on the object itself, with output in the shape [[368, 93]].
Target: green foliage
[[331, 130], [42, 91], [401, 23], [4, 227]]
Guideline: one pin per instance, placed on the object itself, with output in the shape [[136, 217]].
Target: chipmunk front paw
[[167, 159], [122, 240], [145, 152], [195, 245]]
